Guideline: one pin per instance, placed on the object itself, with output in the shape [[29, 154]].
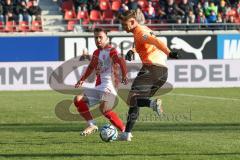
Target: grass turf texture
[[198, 124]]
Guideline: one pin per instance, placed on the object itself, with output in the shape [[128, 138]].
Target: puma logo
[[178, 43]]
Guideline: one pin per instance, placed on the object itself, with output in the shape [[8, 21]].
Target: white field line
[[203, 97], [170, 94]]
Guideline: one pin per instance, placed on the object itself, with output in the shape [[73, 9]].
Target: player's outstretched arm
[[123, 67], [151, 39]]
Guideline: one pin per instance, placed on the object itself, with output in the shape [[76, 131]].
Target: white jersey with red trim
[[105, 69], [104, 65]]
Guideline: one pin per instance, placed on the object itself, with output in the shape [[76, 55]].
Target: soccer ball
[[108, 133]]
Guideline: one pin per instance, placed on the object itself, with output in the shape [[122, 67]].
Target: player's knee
[[130, 98], [77, 99], [133, 100], [104, 107]]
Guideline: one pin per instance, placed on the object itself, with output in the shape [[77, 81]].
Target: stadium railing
[[158, 27]]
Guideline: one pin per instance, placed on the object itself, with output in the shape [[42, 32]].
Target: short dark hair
[[97, 30], [127, 15]]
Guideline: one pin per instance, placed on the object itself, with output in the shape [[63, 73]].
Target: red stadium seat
[[232, 12], [104, 4], [29, 4], [69, 15], [70, 25], [10, 26], [95, 15], [1, 26], [37, 26], [83, 15], [23, 26], [116, 4], [143, 4], [107, 15]]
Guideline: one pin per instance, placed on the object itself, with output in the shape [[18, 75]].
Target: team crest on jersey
[[145, 37], [104, 57]]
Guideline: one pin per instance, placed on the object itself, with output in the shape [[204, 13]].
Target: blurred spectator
[[219, 18], [85, 56], [205, 6], [195, 2], [93, 5], [123, 8], [201, 18], [172, 11], [231, 12], [160, 13], [212, 18], [21, 10], [211, 10], [79, 4], [186, 7], [35, 11], [150, 11], [238, 7], [191, 18], [132, 4], [9, 11], [222, 8], [162, 2], [231, 21], [231, 2], [198, 8], [1, 12]]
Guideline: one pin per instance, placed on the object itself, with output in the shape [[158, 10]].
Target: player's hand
[[129, 55], [79, 84], [125, 80], [174, 54]]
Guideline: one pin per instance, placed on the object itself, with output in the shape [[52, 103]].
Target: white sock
[[152, 103], [91, 122], [128, 134]]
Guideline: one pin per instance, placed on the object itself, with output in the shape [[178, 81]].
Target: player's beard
[[101, 46]]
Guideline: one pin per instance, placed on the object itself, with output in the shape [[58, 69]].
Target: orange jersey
[[151, 50]]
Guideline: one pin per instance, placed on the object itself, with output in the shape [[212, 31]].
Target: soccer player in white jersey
[[103, 61]]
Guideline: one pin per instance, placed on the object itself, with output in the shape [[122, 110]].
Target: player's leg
[[83, 108], [143, 88], [147, 88], [133, 113], [111, 116], [108, 101], [160, 75]]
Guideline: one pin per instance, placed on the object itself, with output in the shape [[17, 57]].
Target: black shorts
[[149, 79]]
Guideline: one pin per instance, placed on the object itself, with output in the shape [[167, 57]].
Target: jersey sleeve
[[120, 61], [113, 52], [92, 65], [150, 38]]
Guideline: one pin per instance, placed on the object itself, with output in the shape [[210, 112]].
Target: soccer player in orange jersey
[[103, 61], [153, 74]]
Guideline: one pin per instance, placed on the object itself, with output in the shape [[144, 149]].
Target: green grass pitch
[[197, 124]]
